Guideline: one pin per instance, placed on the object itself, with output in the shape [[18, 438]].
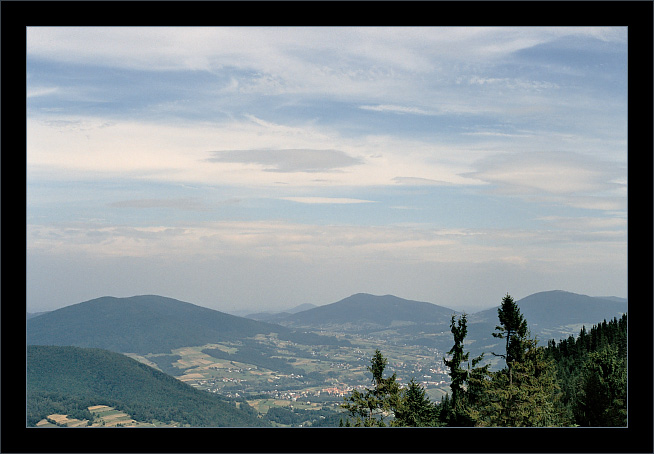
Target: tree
[[602, 390], [415, 409], [526, 395], [458, 375], [370, 407], [467, 384], [513, 328]]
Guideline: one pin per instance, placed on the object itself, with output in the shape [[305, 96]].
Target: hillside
[[144, 324], [550, 315], [69, 379], [364, 312], [274, 317], [557, 307], [553, 314]]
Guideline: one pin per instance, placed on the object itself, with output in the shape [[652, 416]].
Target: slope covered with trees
[[577, 382], [592, 373], [147, 324], [66, 380]]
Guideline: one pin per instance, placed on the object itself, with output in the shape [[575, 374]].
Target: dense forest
[[592, 374], [67, 380], [576, 382]]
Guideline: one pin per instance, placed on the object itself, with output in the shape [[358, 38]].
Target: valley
[[296, 371], [307, 377]]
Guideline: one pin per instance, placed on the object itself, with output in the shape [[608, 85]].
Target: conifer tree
[[512, 328], [526, 391], [527, 395], [468, 385], [370, 407], [601, 398], [458, 375], [415, 409]]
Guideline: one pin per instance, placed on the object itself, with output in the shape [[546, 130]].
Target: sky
[[253, 169]]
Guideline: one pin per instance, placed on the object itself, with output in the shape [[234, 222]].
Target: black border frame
[[637, 15]]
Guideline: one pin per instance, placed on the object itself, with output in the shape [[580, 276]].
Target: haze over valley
[[303, 362]]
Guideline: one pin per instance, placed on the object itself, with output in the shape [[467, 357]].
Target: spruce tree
[[512, 328], [601, 398], [525, 393], [415, 409], [458, 375], [468, 385], [370, 407]]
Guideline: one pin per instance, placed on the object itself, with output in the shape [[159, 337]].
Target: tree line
[[577, 382]]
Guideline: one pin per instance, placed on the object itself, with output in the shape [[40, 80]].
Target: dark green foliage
[[369, 408], [592, 371], [40, 404], [165, 363], [601, 398], [71, 378], [467, 384], [512, 328], [525, 395], [458, 375], [415, 408]]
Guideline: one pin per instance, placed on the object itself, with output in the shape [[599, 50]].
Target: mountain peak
[[140, 324]]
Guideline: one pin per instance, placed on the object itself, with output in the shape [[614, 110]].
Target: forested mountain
[[553, 314], [550, 313], [146, 324], [592, 373], [67, 380], [365, 312], [546, 310]]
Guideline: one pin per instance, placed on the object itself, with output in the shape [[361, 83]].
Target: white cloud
[[33, 92], [326, 200], [540, 173], [289, 160], [398, 109]]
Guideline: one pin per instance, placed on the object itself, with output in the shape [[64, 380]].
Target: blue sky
[[261, 168]]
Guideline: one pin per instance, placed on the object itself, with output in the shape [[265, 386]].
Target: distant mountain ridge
[[143, 324], [558, 306], [155, 324], [364, 311], [272, 316], [550, 315]]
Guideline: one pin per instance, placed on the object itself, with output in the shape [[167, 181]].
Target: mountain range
[[147, 324], [156, 324]]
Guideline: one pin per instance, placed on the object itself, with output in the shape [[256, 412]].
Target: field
[[104, 416], [270, 372]]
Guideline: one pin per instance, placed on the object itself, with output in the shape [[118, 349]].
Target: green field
[[313, 377]]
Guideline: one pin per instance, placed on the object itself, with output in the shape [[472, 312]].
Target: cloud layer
[[405, 160]]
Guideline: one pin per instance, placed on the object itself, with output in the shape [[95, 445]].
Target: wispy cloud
[[556, 173], [187, 203], [288, 160], [398, 109], [326, 200], [403, 151]]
